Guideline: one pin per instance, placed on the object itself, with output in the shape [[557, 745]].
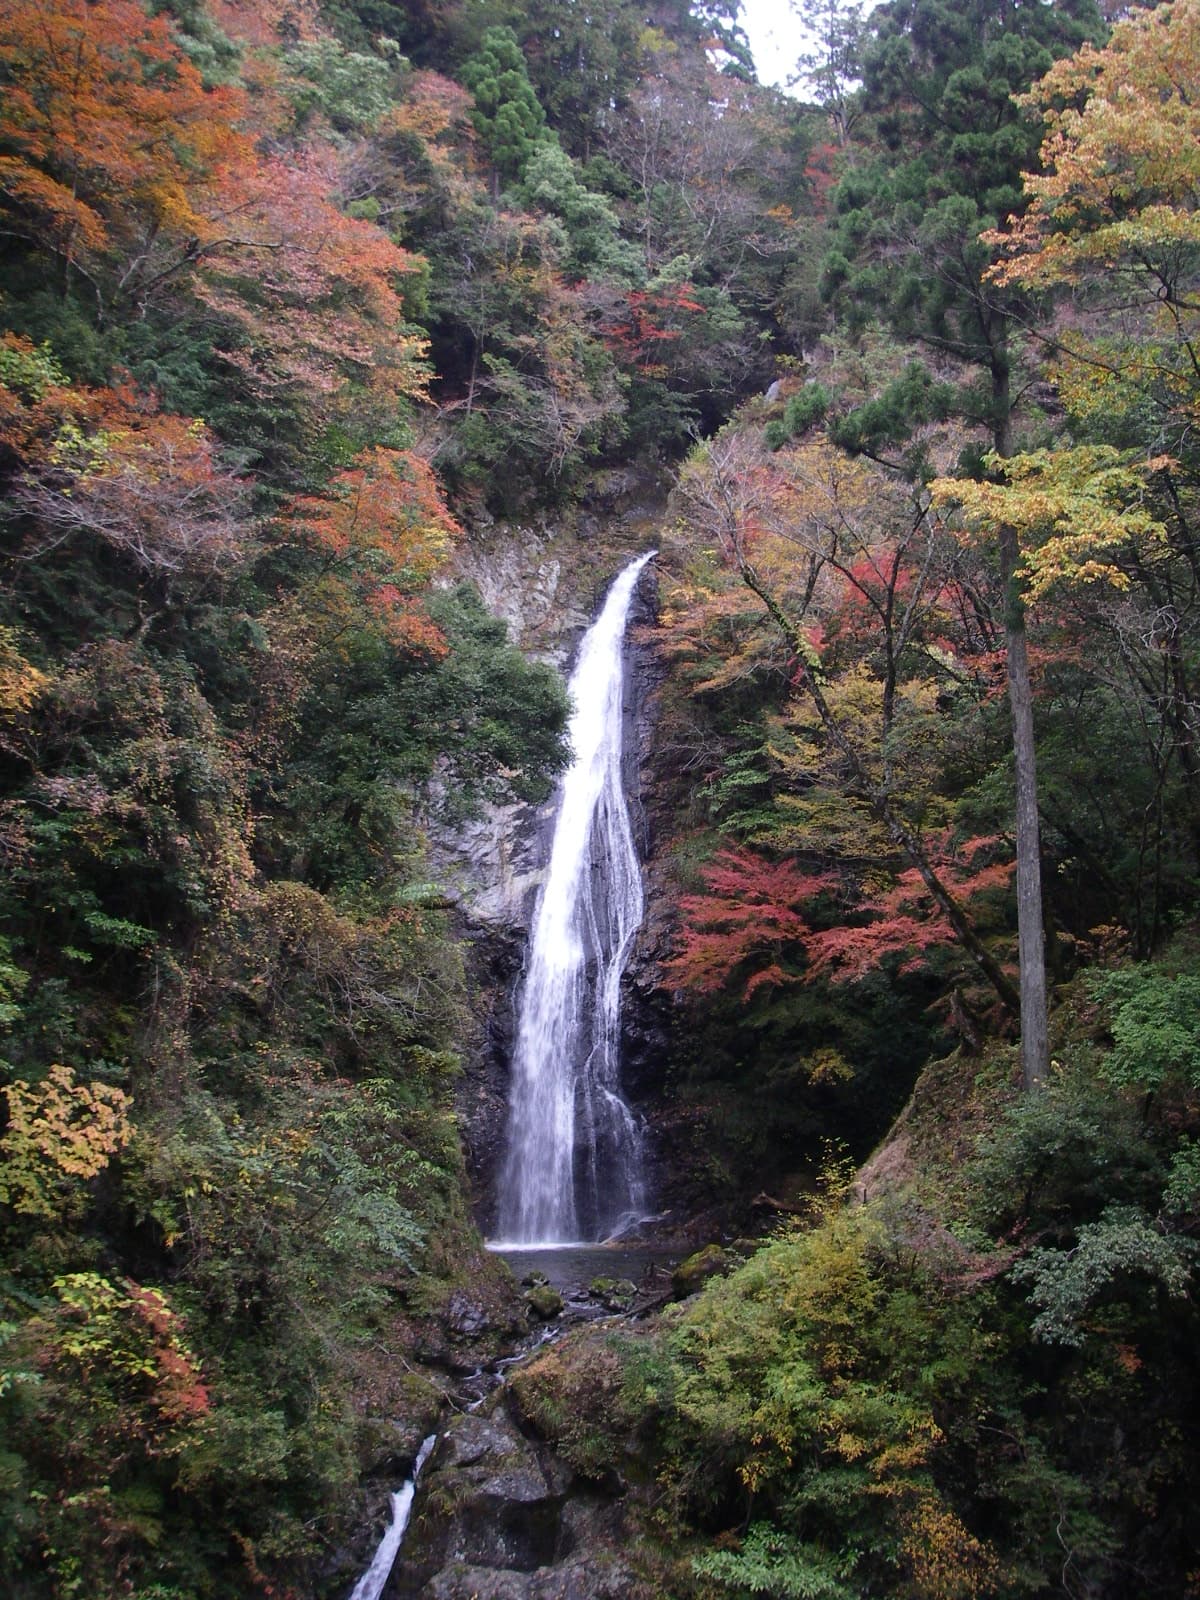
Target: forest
[[309, 311]]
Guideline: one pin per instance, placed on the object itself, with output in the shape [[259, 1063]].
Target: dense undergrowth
[[968, 1371]]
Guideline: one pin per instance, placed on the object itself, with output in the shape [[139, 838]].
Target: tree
[[747, 917], [831, 68], [108, 136], [385, 531], [148, 485], [507, 114], [583, 60], [60, 1133], [797, 532], [595, 247], [909, 240]]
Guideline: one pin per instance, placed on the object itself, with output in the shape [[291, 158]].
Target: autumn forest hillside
[[304, 302]]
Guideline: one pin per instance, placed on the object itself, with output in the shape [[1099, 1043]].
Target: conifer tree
[[508, 115], [952, 145]]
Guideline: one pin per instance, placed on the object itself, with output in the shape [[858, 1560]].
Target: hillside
[[347, 351]]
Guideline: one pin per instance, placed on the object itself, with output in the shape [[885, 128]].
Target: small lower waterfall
[[573, 1167], [370, 1585]]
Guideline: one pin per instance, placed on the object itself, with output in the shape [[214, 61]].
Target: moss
[[691, 1274], [544, 1301]]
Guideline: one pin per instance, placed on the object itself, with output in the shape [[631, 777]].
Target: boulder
[[689, 1275], [615, 1294], [544, 1301]]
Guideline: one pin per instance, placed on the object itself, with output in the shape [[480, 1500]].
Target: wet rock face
[[645, 1007], [501, 1516]]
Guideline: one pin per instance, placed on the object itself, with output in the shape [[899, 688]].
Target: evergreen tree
[[951, 147], [508, 115]]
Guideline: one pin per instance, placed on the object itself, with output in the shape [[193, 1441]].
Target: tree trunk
[[1031, 940], [1035, 1035]]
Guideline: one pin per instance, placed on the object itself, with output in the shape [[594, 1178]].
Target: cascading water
[[573, 1168], [370, 1586]]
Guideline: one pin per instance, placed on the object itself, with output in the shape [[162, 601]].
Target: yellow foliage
[[21, 683], [946, 1562], [1075, 511], [827, 1065], [1121, 157], [60, 1134]]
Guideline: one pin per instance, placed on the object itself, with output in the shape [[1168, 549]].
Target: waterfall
[[370, 1585], [573, 1167]]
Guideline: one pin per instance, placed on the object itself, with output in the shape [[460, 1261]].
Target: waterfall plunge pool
[[570, 1268]]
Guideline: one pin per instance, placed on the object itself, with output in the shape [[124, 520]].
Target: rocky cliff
[[547, 580]]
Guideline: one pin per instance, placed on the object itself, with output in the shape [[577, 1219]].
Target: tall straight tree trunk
[[1031, 941], [1035, 1028]]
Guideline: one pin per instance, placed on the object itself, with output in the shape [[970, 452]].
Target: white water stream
[[573, 1168], [370, 1585]]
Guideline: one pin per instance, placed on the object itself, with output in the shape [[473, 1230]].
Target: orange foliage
[[107, 464], [433, 107], [387, 531], [748, 914], [751, 913], [35, 402], [315, 289], [104, 122], [906, 921], [112, 149], [21, 687], [946, 1561], [179, 1396], [126, 1343], [264, 23]]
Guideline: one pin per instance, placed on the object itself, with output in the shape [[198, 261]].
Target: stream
[[573, 1180]]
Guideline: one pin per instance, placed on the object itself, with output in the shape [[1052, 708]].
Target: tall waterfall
[[574, 1164]]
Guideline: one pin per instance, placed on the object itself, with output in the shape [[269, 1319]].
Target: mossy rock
[[544, 1301], [617, 1294], [689, 1275]]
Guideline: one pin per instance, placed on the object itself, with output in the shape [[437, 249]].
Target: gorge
[[353, 355], [574, 1165]]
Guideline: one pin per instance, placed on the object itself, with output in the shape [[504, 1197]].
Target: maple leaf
[[387, 529], [903, 918], [748, 914]]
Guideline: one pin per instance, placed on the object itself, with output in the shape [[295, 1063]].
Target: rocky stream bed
[[500, 1513]]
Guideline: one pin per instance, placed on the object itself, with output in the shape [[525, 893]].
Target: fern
[[774, 1563]]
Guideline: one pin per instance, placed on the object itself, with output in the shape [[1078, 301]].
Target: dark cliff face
[[645, 1008]]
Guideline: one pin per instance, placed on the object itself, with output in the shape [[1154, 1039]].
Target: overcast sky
[[774, 36]]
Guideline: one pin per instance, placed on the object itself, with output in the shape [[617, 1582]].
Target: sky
[[774, 34]]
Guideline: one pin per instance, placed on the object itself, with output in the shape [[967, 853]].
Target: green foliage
[[1062, 1156], [1067, 1285], [807, 1378], [13, 980], [351, 90], [773, 1563], [1155, 1027], [224, 1221], [507, 113], [803, 411], [595, 249], [890, 418], [584, 63]]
